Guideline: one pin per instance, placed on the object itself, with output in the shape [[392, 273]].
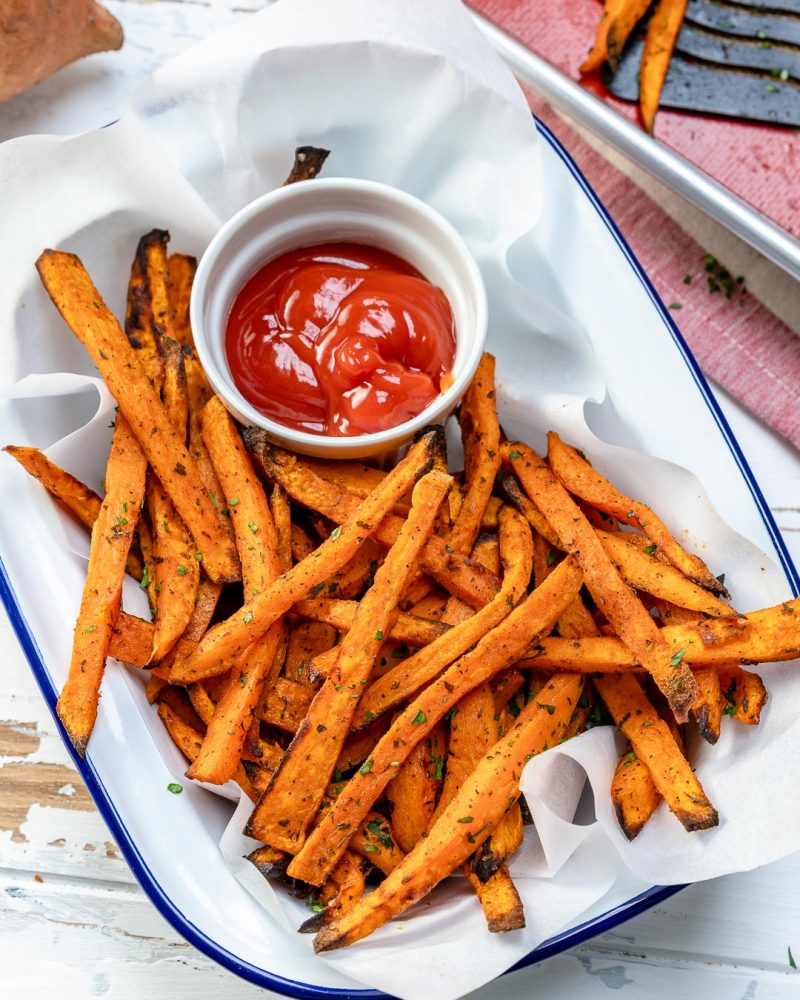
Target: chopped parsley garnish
[[252, 526], [551, 556], [549, 708], [514, 454], [465, 819], [676, 659], [649, 549], [233, 501], [366, 767], [181, 570], [175, 788], [248, 617], [419, 718], [378, 635], [91, 628], [336, 532]]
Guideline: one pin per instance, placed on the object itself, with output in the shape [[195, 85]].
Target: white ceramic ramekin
[[320, 211]]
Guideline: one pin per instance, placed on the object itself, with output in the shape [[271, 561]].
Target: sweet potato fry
[[662, 33], [71, 494], [308, 161], [498, 649], [472, 584], [480, 433], [413, 790], [340, 614], [199, 392], [225, 643], [529, 511], [401, 682], [268, 861], [473, 811], [358, 746], [147, 307], [473, 730], [81, 306], [614, 598], [294, 795], [639, 568], [707, 710], [625, 20], [306, 641], [175, 389], [634, 794], [743, 695], [287, 704], [575, 473], [499, 900], [598, 54], [375, 841], [180, 276], [341, 892], [176, 571], [655, 746], [188, 740], [111, 539]]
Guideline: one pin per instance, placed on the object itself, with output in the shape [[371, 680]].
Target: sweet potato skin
[[39, 37]]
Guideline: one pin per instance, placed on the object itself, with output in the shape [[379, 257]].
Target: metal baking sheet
[[676, 171]]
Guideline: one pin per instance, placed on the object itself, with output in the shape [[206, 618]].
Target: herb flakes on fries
[[404, 640]]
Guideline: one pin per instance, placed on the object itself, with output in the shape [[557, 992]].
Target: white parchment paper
[[406, 92]]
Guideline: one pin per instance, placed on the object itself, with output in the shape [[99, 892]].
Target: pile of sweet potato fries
[[401, 642], [619, 19]]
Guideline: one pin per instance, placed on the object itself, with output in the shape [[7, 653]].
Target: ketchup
[[340, 339]]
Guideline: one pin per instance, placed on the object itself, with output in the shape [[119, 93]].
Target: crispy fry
[[743, 695], [598, 54], [472, 731], [199, 392], [111, 540], [308, 161], [176, 571], [180, 276], [516, 546], [662, 33], [340, 614], [360, 745], [375, 841], [498, 649], [79, 303], [480, 433], [147, 307], [472, 584], [180, 704], [71, 494], [640, 568], [625, 20], [633, 793], [453, 837], [340, 893], [614, 598], [268, 861], [583, 481], [499, 900], [224, 644], [306, 641], [655, 746], [175, 388], [707, 710], [529, 511], [413, 790], [287, 704], [288, 806]]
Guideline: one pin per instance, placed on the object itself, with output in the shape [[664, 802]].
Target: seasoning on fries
[[404, 640]]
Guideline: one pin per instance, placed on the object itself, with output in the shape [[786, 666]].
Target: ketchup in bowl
[[340, 339]]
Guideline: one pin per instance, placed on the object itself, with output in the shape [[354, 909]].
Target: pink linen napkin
[[737, 341]]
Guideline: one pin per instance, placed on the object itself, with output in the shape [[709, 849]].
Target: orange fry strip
[[655, 746], [111, 539], [180, 276], [81, 306], [298, 786], [498, 649], [575, 473], [402, 681], [626, 19], [615, 599], [259, 554], [454, 836], [480, 433], [662, 34], [598, 54], [469, 582], [340, 614], [225, 643]]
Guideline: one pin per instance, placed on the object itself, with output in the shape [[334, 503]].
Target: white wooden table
[[72, 920]]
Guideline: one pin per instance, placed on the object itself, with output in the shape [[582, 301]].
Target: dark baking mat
[[737, 60]]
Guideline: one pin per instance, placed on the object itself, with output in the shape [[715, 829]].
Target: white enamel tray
[[658, 402]]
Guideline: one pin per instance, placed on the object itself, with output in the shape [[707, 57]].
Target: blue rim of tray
[[553, 946]]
